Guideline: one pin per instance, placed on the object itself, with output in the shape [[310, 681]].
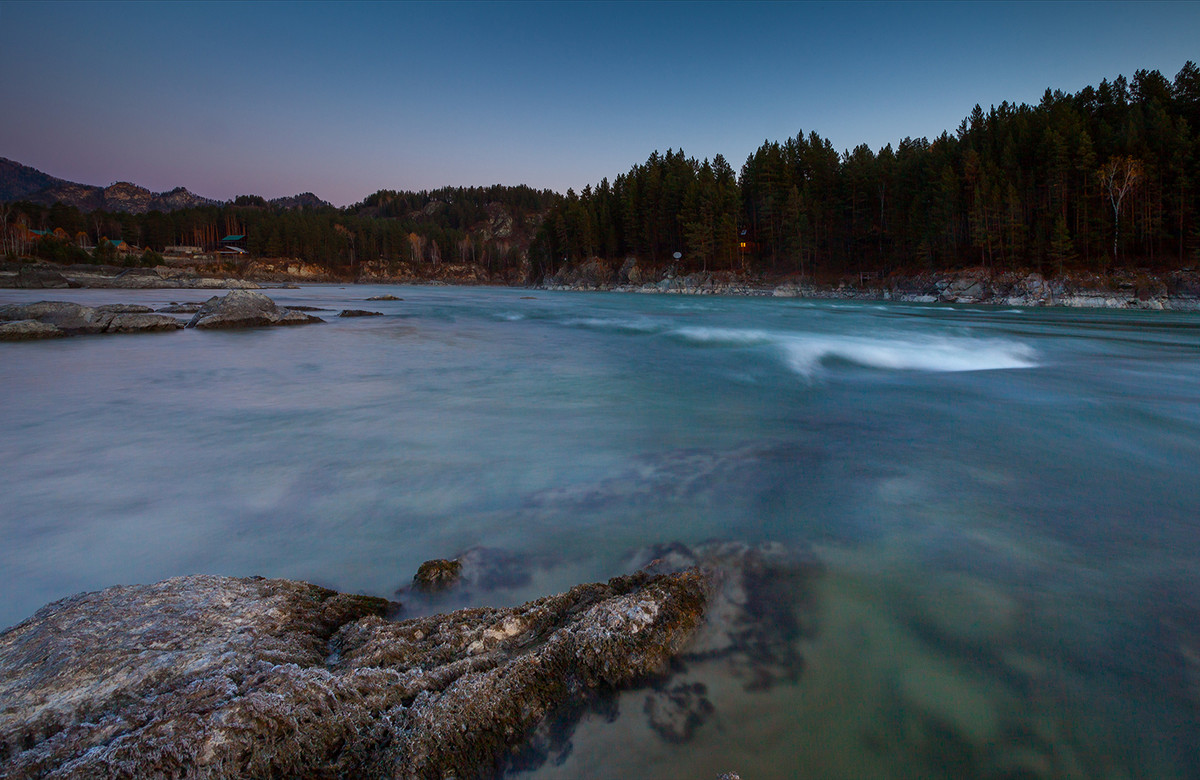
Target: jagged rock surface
[[210, 676], [246, 309]]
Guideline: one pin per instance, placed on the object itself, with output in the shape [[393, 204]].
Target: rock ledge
[[216, 676]]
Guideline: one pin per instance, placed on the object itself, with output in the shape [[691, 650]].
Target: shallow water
[[1003, 502]]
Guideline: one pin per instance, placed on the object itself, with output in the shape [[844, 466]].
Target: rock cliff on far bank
[[210, 676]]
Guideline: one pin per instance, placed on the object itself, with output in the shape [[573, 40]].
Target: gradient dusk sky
[[344, 99]]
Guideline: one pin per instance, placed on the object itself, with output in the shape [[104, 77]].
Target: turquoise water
[[1002, 502]]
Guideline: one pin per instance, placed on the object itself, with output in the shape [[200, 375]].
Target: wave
[[627, 325], [806, 354]]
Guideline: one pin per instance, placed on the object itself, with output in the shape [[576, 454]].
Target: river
[[1002, 502]]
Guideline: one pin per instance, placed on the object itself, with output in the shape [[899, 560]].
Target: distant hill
[[21, 182], [305, 200]]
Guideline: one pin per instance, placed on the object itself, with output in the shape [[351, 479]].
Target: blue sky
[[345, 99]]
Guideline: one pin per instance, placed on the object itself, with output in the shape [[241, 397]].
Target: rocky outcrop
[[219, 677], [246, 309], [74, 319]]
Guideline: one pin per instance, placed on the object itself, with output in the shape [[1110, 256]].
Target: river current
[[1000, 504]]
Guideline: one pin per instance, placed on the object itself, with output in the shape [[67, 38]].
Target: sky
[[344, 99]]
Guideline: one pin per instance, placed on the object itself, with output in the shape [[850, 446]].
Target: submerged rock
[[359, 313], [676, 712], [761, 606], [246, 309], [217, 676], [384, 298]]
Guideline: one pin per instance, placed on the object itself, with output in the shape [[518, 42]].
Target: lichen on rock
[[215, 676]]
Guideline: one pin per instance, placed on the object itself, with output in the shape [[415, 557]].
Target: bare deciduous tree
[[1119, 176]]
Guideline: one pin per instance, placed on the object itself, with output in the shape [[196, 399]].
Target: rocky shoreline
[[1120, 289], [214, 676]]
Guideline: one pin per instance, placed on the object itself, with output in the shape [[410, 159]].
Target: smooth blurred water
[[1003, 501]]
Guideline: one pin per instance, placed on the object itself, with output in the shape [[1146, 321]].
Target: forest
[[488, 226], [1088, 181]]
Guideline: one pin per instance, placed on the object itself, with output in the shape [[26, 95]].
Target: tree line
[[1083, 181], [1078, 182], [485, 225]]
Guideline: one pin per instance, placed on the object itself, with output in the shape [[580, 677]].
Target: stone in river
[[245, 309], [69, 317], [437, 575], [142, 323], [26, 330]]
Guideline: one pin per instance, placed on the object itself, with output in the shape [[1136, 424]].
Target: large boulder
[[246, 309], [208, 676]]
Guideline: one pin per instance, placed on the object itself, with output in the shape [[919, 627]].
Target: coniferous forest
[[1087, 181], [1102, 178]]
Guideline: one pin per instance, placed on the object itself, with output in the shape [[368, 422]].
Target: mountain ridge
[[23, 182]]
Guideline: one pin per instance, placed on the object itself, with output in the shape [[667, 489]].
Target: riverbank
[[1119, 289]]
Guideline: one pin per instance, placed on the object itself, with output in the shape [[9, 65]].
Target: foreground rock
[[73, 318], [246, 309], [216, 676]]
